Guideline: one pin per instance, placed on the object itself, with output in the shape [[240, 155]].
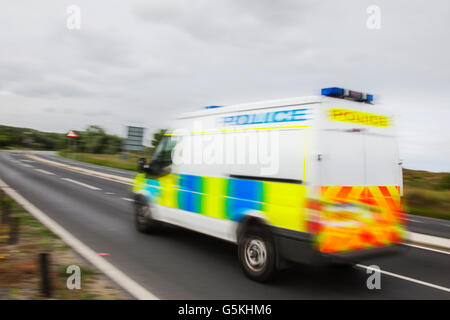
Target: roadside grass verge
[[427, 193], [19, 262], [428, 203], [108, 160]]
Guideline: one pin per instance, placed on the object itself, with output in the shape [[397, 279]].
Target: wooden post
[[2, 196], [44, 261], [14, 223], [6, 209]]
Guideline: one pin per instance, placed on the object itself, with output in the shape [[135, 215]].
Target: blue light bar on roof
[[212, 107], [332, 91], [347, 94]]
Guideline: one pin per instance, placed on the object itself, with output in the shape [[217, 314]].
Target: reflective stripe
[[234, 130]]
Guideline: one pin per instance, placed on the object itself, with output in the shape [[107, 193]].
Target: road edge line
[[425, 239], [120, 278], [106, 176], [399, 276], [426, 248]]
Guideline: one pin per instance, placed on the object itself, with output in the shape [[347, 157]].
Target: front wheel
[[143, 217], [257, 254]]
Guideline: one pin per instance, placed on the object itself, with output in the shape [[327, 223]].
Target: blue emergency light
[[333, 92], [347, 94], [212, 107]]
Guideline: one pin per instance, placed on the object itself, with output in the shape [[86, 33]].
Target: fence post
[[14, 223], [6, 209], [44, 261]]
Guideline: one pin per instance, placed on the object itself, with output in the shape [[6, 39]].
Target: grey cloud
[[98, 113], [140, 62], [243, 23]]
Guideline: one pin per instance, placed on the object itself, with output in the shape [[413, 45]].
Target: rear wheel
[[143, 217], [257, 254]]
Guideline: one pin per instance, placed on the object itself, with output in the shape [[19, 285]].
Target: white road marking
[[70, 161], [426, 248], [44, 171], [414, 220], [26, 160], [93, 173], [102, 264], [128, 199], [81, 184], [395, 275], [109, 193], [424, 239], [26, 165]]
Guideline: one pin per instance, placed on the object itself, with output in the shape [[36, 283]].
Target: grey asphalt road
[[180, 264], [431, 226]]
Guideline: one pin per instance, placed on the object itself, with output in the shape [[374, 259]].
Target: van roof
[[253, 106]]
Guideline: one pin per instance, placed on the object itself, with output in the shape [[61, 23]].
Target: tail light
[[314, 226], [401, 217], [314, 204], [314, 207]]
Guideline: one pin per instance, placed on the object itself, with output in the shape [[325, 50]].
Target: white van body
[[320, 172]]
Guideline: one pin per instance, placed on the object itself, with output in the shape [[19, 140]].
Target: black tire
[[143, 217], [256, 252]]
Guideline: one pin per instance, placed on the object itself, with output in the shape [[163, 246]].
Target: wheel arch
[[251, 218]]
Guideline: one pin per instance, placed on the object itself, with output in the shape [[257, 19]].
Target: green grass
[[86, 272], [426, 180], [35, 237], [44, 232], [108, 160], [13, 292], [28, 220], [427, 193]]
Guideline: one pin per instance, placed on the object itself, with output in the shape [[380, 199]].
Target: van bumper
[[356, 256], [294, 246], [298, 247]]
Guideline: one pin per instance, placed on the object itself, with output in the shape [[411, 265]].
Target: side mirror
[[158, 168], [166, 168], [141, 164]]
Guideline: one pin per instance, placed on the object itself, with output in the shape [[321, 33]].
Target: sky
[[142, 62]]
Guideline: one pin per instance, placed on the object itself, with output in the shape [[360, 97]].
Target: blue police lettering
[[267, 117]]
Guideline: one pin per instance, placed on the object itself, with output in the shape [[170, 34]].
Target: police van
[[304, 179]]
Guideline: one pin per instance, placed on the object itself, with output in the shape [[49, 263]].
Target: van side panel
[[249, 177], [284, 205], [279, 204]]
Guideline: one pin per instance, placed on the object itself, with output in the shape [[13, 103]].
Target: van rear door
[[359, 179]]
